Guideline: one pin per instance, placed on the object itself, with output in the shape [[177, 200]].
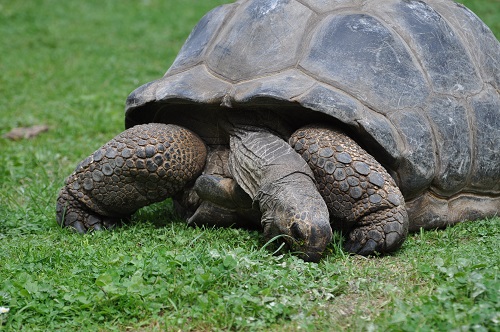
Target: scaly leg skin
[[280, 181], [362, 198], [143, 165]]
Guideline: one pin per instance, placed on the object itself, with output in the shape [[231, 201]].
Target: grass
[[70, 65]]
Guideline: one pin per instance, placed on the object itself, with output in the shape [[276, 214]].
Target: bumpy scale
[[362, 198], [142, 165]]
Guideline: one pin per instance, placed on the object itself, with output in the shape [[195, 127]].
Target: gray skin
[[299, 116]]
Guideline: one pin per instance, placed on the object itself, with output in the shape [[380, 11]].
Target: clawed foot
[[73, 214], [382, 232]]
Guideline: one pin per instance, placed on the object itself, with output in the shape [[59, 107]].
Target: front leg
[[143, 165], [362, 198], [282, 184]]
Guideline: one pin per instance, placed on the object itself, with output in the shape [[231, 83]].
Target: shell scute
[[193, 49], [359, 54], [262, 32], [335, 103], [191, 86], [486, 110], [444, 57], [453, 138], [283, 86], [419, 157]]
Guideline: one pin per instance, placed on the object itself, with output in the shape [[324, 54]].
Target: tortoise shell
[[417, 83]]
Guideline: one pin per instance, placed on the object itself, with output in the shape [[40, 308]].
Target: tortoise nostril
[[297, 232]]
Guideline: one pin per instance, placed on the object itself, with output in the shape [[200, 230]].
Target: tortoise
[[304, 117]]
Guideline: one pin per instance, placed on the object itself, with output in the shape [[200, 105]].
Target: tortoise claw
[[79, 227], [73, 214], [380, 232]]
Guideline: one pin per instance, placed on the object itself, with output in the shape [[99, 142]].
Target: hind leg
[[362, 198]]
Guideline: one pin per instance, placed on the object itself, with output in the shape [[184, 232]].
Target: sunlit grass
[[70, 65]]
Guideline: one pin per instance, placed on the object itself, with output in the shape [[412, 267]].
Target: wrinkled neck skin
[[215, 128], [281, 182], [216, 195]]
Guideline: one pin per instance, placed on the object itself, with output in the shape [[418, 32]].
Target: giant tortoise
[[302, 116]]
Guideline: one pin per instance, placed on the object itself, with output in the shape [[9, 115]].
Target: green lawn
[[70, 65]]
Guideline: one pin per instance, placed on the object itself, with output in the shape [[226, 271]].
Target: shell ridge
[[308, 6]]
